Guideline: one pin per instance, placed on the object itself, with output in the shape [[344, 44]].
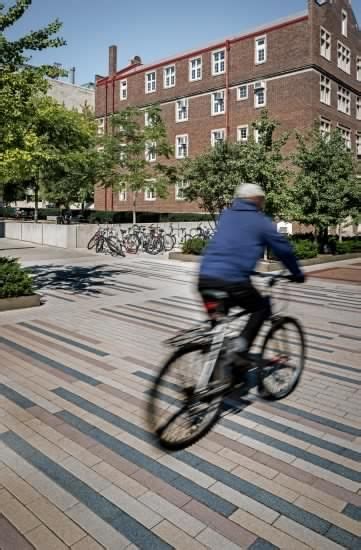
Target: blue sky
[[152, 29]]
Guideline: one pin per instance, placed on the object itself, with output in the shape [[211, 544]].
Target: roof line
[[291, 20]]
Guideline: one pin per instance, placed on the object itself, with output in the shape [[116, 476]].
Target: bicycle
[[192, 398]]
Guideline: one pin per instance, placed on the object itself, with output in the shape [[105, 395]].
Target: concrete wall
[[71, 95]]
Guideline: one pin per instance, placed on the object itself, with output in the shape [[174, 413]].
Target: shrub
[[305, 249], [194, 246], [348, 246], [14, 281]]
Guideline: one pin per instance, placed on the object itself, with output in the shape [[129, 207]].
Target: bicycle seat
[[217, 295]]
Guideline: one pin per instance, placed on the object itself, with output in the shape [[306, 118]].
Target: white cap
[[248, 190]]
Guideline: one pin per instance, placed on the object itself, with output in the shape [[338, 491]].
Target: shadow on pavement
[[89, 280]]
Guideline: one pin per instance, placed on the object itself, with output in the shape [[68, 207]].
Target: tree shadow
[[88, 280]]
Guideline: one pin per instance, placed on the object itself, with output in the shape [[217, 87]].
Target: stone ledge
[[19, 302]]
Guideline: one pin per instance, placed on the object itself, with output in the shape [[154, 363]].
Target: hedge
[[14, 280], [194, 246]]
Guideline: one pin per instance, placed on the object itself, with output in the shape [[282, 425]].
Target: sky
[[153, 29]]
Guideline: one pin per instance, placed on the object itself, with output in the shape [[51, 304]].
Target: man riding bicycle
[[243, 234]]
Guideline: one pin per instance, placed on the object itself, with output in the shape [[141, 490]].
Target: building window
[[260, 94], [181, 146], [218, 103], [151, 151], [218, 62], [325, 90], [346, 134], [358, 145], [169, 76], [242, 92], [260, 50], [195, 69], [217, 136], [123, 90], [344, 100], [179, 190], [358, 68], [343, 58], [122, 196], [150, 82], [325, 44], [150, 194], [344, 23], [325, 127], [242, 133], [101, 126], [358, 108], [181, 110]]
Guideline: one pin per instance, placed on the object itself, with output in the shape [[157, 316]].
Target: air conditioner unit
[[260, 85], [218, 95]]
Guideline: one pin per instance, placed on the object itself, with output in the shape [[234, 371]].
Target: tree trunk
[[135, 196], [36, 210], [340, 232]]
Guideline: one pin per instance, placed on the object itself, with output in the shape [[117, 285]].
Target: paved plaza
[[78, 468]]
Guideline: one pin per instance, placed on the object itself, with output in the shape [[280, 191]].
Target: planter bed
[[19, 302]]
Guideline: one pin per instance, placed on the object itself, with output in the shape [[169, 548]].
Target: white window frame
[[358, 107], [241, 139], [215, 99], [346, 134], [344, 100], [325, 90], [150, 194], [185, 137], [259, 48], [358, 144], [101, 126], [258, 105], [239, 97], [182, 110], [213, 136], [123, 196], [196, 69], [151, 155], [218, 65], [179, 186], [325, 126], [344, 23], [169, 80], [358, 68], [343, 57], [123, 90], [325, 43], [150, 85]]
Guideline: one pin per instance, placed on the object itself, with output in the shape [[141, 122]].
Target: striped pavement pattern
[[79, 468]]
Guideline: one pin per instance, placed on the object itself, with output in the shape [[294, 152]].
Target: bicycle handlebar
[[273, 278]]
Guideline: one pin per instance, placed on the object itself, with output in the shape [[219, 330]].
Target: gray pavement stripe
[[338, 377], [16, 397], [261, 544], [344, 324], [352, 511], [106, 510], [128, 315], [50, 362], [64, 339]]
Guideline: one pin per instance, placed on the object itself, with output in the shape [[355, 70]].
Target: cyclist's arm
[[281, 248]]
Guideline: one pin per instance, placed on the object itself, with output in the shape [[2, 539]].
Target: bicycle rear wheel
[[177, 414], [115, 247], [283, 359], [93, 241]]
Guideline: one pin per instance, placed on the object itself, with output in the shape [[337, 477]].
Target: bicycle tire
[[168, 242], [264, 387], [92, 241], [153, 415], [99, 246], [131, 244], [115, 247]]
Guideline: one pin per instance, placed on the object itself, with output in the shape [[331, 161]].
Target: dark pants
[[246, 297]]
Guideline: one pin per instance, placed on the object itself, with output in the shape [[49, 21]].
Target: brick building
[[303, 68]]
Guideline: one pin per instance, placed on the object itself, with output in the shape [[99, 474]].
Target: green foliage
[[326, 190], [348, 247], [214, 175], [185, 217], [305, 249], [126, 166], [14, 281], [194, 246]]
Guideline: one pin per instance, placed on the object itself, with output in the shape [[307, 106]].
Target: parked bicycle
[[105, 241], [187, 395]]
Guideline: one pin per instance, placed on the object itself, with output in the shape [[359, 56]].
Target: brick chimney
[[112, 60]]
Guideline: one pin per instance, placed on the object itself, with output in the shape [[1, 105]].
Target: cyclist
[[242, 235]]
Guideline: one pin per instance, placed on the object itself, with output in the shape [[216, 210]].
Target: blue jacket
[[242, 235]]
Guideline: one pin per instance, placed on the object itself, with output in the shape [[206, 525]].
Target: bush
[[348, 246], [185, 217], [305, 249], [194, 246], [14, 281]]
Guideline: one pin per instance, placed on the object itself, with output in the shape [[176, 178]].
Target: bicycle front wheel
[[178, 415], [283, 359]]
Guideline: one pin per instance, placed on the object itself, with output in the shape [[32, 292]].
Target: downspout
[[106, 131], [113, 110], [228, 50]]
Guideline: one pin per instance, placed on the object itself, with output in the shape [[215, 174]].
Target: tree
[[57, 155], [326, 190], [138, 154], [213, 176]]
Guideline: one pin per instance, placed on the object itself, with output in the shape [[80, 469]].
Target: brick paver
[[78, 468]]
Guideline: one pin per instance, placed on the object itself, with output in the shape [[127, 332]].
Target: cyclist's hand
[[301, 278]]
